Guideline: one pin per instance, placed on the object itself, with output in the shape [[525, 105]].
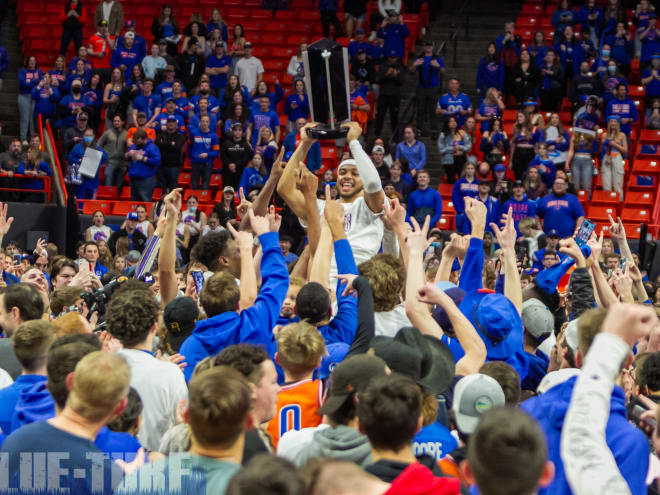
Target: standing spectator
[[454, 103], [378, 159], [144, 156], [236, 113], [218, 66], [164, 89], [357, 44], [560, 210], [552, 82], [424, 201], [563, 16], [166, 28], [522, 146], [57, 73], [28, 79], [491, 203], [401, 186], [190, 66], [651, 81], [591, 16], [127, 55], [525, 78], [390, 78], [82, 55], [169, 112], [538, 47], [205, 149], [490, 72], [73, 135], [414, 151], [584, 84], [249, 69], [429, 69], [394, 32], [614, 148], [296, 68], [494, 143], [113, 141], [112, 12], [589, 117], [453, 144], [102, 43], [4, 63], [87, 186], [355, 12], [237, 45], [148, 103], [570, 52], [623, 108], [291, 141], [621, 46], [490, 107], [195, 32], [544, 165], [139, 41], [225, 210], [235, 154], [579, 159], [359, 106], [73, 18], [45, 97], [296, 105], [153, 63], [32, 166], [520, 206], [534, 186], [650, 39], [217, 22], [328, 10], [115, 97], [263, 118], [466, 186], [136, 239], [171, 142], [557, 139]]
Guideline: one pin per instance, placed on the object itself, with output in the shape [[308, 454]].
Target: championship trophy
[[326, 81]]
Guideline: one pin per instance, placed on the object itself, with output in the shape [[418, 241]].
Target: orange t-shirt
[[99, 44], [151, 133], [297, 407]]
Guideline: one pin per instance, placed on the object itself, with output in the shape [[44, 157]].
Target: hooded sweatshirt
[[417, 479], [253, 325], [338, 442], [145, 169], [34, 404], [9, 397], [627, 443], [388, 470]]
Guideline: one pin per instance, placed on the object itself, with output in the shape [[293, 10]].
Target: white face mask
[[192, 208]]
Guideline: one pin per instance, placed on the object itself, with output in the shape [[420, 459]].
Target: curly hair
[[209, 248], [131, 314], [245, 358], [387, 277]]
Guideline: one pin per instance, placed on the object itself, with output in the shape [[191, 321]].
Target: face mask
[[192, 208], [88, 139], [606, 53], [611, 69], [75, 90]]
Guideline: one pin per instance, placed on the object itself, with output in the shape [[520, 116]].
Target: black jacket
[[239, 153], [171, 146], [139, 240], [189, 69], [364, 72], [390, 82]]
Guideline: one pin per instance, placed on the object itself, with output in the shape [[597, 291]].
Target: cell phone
[[586, 229], [622, 263], [17, 259], [647, 425], [198, 278]]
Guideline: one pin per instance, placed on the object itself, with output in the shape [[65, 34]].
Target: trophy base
[[324, 131]]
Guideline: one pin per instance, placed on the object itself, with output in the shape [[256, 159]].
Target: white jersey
[[388, 323], [143, 227], [364, 231], [101, 233]]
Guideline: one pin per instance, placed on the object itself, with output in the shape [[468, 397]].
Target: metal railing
[[461, 21]]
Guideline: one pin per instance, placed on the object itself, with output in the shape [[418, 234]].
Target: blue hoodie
[[144, 170], [627, 443], [10, 395], [34, 404], [116, 442], [253, 325], [204, 142]]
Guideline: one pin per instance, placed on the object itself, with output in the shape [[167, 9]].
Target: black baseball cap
[[518, 183], [179, 317], [350, 376]]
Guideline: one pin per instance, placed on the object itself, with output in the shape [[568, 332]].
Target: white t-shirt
[[144, 227], [107, 8], [208, 230], [364, 231], [388, 323], [5, 379], [161, 387], [247, 70], [101, 233]]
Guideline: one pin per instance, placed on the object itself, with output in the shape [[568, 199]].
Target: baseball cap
[[473, 396], [614, 117], [484, 182], [248, 44], [336, 354], [219, 44], [171, 117], [529, 103], [179, 317], [428, 43], [228, 189], [170, 99], [129, 35], [130, 23], [496, 320], [424, 358], [82, 116], [162, 41], [655, 55], [349, 376], [552, 233], [236, 124], [361, 50], [472, 159], [131, 215], [518, 183], [102, 22], [378, 149], [571, 334], [76, 82], [133, 256], [142, 114], [537, 319], [499, 167], [169, 68], [440, 315]]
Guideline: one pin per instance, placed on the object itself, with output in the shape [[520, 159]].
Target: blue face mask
[[611, 69], [606, 53], [192, 208], [88, 139]]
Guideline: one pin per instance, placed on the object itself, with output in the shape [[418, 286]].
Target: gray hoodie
[[338, 442]]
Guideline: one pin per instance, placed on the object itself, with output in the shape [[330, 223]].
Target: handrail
[[59, 184], [454, 29], [41, 132]]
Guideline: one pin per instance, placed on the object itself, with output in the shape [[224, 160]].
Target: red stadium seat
[[638, 198], [106, 192], [606, 198], [89, 206], [445, 190], [446, 222], [601, 213], [636, 215]]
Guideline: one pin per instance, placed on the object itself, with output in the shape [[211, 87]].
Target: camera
[[97, 299]]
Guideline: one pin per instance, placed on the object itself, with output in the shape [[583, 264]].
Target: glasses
[[560, 183]]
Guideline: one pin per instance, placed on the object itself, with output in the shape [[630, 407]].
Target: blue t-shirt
[[261, 119], [653, 87], [650, 45], [68, 461], [520, 209], [434, 440], [455, 104], [624, 109], [560, 213], [147, 104], [487, 111], [218, 81]]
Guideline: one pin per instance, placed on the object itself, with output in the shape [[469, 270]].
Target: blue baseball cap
[[171, 117], [131, 215], [499, 167], [552, 233], [336, 354], [496, 320], [530, 103], [440, 315], [614, 117]]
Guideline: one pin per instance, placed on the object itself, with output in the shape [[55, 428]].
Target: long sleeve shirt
[[204, 143], [422, 202], [147, 164], [415, 154]]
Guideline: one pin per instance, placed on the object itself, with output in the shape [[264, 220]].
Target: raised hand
[[506, 237], [394, 215], [304, 136], [5, 223], [570, 247], [277, 168], [417, 239], [354, 131], [244, 205], [431, 294], [307, 182], [260, 225], [274, 219], [333, 211], [476, 211], [617, 232], [596, 246], [243, 238], [456, 247]]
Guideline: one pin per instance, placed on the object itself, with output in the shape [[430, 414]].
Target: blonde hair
[[100, 381], [300, 346], [122, 246]]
